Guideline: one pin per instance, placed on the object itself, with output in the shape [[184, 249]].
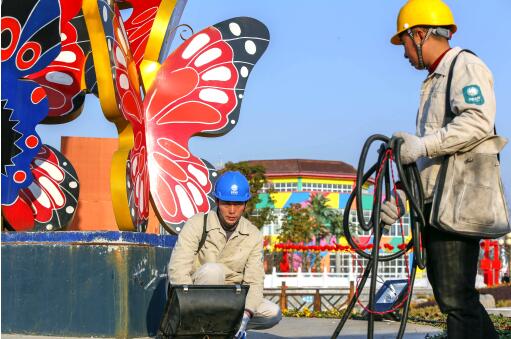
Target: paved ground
[[297, 328], [354, 329]]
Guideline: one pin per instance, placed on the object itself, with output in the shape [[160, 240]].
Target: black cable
[[388, 153]]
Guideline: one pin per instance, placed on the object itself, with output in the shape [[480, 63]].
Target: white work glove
[[412, 149], [389, 212], [241, 334]]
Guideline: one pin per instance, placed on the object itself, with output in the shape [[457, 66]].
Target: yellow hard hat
[[423, 13]]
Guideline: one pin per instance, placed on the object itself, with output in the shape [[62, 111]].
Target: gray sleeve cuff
[[432, 145]]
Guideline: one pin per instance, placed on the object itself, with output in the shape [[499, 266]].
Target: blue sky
[[329, 79]]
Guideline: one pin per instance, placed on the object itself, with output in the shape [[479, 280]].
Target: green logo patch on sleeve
[[473, 95]]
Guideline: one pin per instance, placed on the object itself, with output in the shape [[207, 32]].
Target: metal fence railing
[[292, 298]]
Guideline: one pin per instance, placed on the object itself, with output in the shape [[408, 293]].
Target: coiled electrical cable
[[388, 155]]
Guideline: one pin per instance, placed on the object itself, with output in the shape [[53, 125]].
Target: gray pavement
[[300, 328], [312, 328]]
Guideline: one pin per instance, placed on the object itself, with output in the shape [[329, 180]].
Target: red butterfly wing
[[61, 79], [139, 24], [130, 104], [197, 91], [49, 203]]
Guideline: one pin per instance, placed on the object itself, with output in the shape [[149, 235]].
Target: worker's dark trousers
[[452, 267]]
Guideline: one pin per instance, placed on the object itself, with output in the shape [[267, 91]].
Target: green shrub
[[429, 315]]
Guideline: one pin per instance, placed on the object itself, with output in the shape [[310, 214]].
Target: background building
[[293, 181]]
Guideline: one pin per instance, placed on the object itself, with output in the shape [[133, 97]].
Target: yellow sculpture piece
[[148, 70], [117, 79], [150, 64], [117, 51]]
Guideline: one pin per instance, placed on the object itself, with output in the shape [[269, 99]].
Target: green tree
[[336, 227], [298, 225], [256, 175], [330, 218], [330, 221], [316, 221], [323, 215]]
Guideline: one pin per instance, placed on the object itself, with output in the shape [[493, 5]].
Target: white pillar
[[274, 277], [351, 274], [299, 277], [325, 277]]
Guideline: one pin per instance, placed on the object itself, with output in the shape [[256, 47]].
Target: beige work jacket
[[241, 255], [473, 103]]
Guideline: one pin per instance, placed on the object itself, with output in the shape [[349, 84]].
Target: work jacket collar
[[214, 223], [433, 67], [445, 63]]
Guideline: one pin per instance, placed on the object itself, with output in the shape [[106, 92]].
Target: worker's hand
[[243, 327], [412, 149], [391, 211]]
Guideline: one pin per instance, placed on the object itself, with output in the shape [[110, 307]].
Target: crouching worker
[[232, 252]]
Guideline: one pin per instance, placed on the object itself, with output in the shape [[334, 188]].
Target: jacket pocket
[[478, 175], [480, 169], [476, 205], [431, 112]]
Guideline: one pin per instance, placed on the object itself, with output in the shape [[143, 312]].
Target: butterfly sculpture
[[61, 79], [150, 28], [138, 26], [51, 199], [121, 100], [196, 91], [33, 195]]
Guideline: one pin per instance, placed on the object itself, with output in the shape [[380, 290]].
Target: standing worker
[[424, 28], [231, 254]]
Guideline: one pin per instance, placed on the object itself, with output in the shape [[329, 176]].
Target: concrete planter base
[[104, 284]]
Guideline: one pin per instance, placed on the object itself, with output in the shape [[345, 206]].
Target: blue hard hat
[[232, 186]]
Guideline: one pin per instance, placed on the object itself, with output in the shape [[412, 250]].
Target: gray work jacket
[[241, 255], [472, 102]]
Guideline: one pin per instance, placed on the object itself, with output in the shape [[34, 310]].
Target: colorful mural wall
[[299, 190], [285, 199]]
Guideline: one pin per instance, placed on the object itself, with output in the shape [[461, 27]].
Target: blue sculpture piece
[[30, 41]]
